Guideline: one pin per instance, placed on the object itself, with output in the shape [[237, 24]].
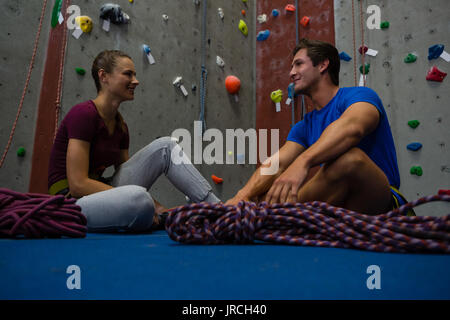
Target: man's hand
[[235, 200], [285, 187]]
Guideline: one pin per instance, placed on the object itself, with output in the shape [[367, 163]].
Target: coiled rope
[[311, 224], [33, 215]]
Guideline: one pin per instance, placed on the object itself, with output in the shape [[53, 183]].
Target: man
[[348, 135]]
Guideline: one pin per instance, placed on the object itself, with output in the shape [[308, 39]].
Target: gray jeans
[[129, 206]]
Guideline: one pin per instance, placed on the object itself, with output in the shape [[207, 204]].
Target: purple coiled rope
[[311, 224], [33, 215]]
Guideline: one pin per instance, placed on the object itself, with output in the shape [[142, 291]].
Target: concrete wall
[[19, 21], [414, 26], [159, 107]]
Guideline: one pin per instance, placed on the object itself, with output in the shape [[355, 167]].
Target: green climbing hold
[[410, 58], [417, 170], [80, 71], [21, 152], [366, 68], [55, 13], [384, 25], [413, 123]]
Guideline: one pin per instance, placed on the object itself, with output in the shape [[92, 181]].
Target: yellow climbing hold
[[243, 27], [85, 23], [276, 96]]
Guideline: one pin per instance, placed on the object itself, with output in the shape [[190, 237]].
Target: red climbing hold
[[290, 8], [434, 74], [444, 192], [361, 49], [216, 179], [304, 21]]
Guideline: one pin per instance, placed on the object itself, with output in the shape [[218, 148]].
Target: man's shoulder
[[350, 91]]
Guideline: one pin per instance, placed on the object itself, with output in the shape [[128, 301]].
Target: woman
[[94, 136]]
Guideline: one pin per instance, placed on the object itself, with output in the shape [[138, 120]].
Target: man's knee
[[348, 163]]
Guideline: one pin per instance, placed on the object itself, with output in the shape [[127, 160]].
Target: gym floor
[[152, 266]]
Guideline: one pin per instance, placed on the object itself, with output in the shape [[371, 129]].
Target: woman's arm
[[77, 168]]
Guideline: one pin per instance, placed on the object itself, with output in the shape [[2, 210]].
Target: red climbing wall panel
[[45, 125], [274, 56]]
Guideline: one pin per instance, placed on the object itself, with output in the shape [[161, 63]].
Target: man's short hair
[[319, 51]]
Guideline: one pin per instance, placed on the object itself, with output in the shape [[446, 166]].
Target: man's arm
[[259, 183], [355, 123]]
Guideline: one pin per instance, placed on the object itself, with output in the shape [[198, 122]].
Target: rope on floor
[[311, 224], [33, 215]]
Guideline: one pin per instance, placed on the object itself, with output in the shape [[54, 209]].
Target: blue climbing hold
[[344, 56], [414, 146], [291, 92], [435, 51], [275, 12], [263, 35]]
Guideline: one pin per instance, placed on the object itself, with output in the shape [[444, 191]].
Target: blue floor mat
[[152, 266]]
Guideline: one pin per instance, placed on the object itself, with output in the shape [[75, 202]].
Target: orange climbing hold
[[304, 21], [243, 13], [216, 179], [233, 84]]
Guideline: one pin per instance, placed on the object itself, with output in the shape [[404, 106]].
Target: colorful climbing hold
[[55, 13], [366, 68], [444, 192], [85, 23], [275, 12], [384, 25], [417, 170], [243, 12], [216, 179], [220, 62], [304, 21], [344, 56], [434, 74], [243, 27], [220, 12], [80, 71], [290, 8], [361, 48], [262, 18], [414, 146], [263, 35], [21, 152], [147, 52], [232, 84], [113, 13], [410, 58], [276, 97], [435, 51], [413, 123]]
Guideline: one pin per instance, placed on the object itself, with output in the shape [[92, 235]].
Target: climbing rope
[[311, 224], [27, 81], [362, 42], [354, 40], [33, 215], [204, 71], [60, 75]]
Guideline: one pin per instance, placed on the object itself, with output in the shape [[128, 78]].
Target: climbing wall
[[159, 107], [414, 26], [19, 22]]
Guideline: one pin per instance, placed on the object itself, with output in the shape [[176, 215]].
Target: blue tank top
[[378, 145]]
